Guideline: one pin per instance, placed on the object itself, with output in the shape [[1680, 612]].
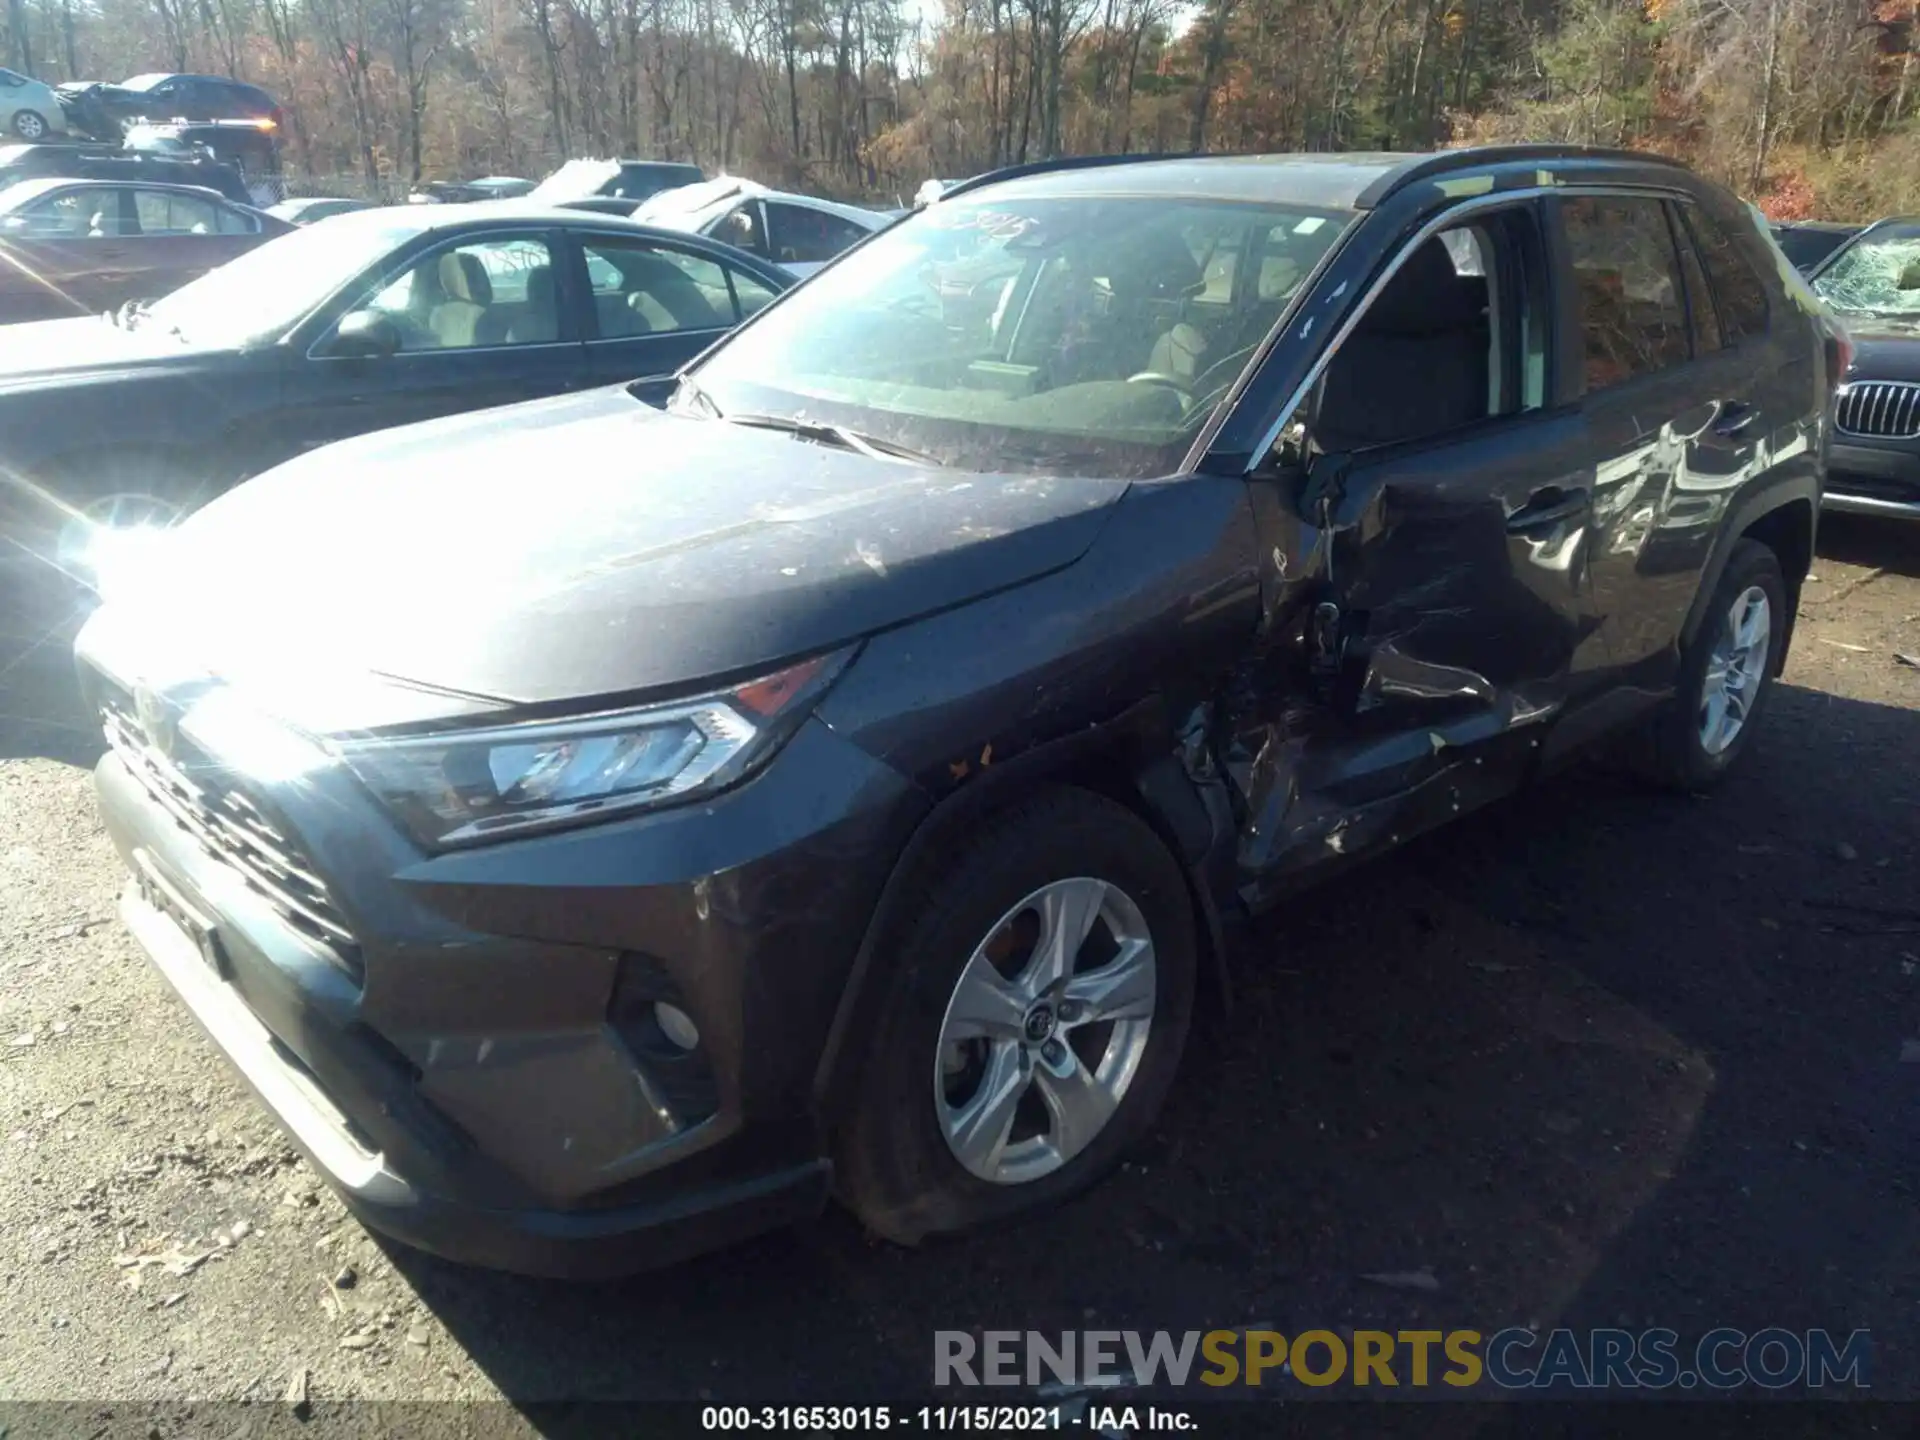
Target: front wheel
[[1725, 675], [1041, 1002], [29, 125]]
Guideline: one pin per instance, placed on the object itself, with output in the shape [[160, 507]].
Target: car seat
[[465, 295], [1417, 363], [537, 323]]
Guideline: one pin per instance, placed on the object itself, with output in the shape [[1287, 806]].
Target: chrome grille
[[1889, 409], [232, 829]]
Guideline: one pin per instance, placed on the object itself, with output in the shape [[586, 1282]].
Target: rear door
[[481, 322], [182, 237], [1676, 411], [652, 306]]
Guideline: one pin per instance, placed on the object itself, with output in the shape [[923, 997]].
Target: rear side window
[[1739, 292], [801, 236], [1632, 310]]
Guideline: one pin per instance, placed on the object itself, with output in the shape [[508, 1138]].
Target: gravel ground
[[1593, 1057]]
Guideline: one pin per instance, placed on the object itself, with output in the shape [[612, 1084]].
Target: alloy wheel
[[29, 126], [1736, 669], [1045, 1031]]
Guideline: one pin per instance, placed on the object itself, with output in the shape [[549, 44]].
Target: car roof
[[1348, 181], [23, 190], [423, 219], [706, 195]]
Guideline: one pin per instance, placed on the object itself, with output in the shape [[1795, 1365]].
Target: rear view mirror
[[365, 335]]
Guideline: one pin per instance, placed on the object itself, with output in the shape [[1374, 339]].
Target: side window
[[801, 236], [164, 214], [90, 213], [480, 294], [236, 222], [1627, 286], [1700, 305], [1740, 293], [1459, 335], [742, 226], [751, 293], [644, 289]]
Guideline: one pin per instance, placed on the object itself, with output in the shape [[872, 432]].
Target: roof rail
[[1473, 157], [1065, 162]]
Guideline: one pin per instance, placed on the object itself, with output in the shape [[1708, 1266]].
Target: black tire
[[1672, 752], [894, 1166], [30, 125]]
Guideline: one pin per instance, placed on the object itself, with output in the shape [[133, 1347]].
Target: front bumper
[[478, 1074], [1874, 478]]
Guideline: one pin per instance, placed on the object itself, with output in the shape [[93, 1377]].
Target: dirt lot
[[1593, 1058]]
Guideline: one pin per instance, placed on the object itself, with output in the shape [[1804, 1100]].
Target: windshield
[[1081, 335], [1878, 274], [269, 289]]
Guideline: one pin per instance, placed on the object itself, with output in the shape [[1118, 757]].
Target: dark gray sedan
[[374, 319]]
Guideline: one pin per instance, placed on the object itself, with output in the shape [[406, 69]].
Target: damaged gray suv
[[606, 827]]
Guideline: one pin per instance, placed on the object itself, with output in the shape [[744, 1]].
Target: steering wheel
[[1166, 382]]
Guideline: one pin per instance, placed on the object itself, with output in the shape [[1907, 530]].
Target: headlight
[[467, 787]]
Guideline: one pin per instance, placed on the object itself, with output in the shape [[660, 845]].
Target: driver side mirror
[[1288, 454], [364, 335], [1909, 276]]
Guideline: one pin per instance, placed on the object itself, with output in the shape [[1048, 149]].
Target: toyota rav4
[[608, 826]]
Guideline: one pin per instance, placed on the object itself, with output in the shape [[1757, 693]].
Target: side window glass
[[808, 237], [1627, 287], [234, 222], [643, 289], [69, 215], [1435, 350], [1740, 293], [477, 295], [753, 294], [741, 226], [1700, 302], [98, 213], [164, 214]]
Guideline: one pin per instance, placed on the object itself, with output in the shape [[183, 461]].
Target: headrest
[[1427, 296], [463, 277], [540, 287]]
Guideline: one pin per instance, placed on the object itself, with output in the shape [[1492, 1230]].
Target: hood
[[50, 350], [589, 547]]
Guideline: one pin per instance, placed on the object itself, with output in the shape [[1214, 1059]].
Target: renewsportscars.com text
[[1516, 1358]]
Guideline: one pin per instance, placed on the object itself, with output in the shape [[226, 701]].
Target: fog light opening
[[676, 1025]]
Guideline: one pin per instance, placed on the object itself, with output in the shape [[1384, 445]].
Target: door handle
[[1547, 508], [1735, 416]]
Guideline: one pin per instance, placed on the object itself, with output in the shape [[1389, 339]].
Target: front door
[[1444, 498], [70, 252], [481, 322]]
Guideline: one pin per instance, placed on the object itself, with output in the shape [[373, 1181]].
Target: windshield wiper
[[823, 432]]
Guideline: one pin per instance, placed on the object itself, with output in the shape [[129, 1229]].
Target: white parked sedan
[[29, 109], [799, 233]]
